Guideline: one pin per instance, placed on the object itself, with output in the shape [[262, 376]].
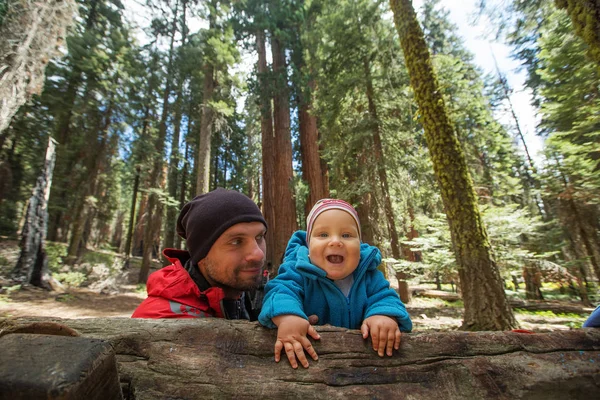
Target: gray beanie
[[204, 219]]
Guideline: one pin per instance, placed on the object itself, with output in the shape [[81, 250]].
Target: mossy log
[[211, 358]]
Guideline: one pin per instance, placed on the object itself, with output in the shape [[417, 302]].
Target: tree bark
[[486, 306], [173, 172], [533, 282], [268, 153], [585, 15], [30, 32], [136, 185], [284, 207], [312, 163], [154, 208], [205, 141], [32, 265], [216, 358]]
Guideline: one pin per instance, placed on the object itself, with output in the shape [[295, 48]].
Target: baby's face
[[334, 244]]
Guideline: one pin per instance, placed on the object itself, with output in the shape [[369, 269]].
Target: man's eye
[[236, 242], [260, 238]]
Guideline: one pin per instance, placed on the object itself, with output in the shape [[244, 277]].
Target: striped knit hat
[[329, 204]]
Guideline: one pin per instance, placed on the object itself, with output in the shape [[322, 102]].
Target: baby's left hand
[[384, 333]]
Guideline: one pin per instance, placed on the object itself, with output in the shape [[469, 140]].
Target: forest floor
[[107, 290]]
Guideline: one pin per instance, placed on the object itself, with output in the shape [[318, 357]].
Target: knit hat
[[329, 204], [204, 219]]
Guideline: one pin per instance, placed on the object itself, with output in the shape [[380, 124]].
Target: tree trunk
[[309, 147], [585, 16], [93, 167], [32, 265], [533, 282], [268, 152], [136, 185], [140, 224], [486, 306], [154, 208], [62, 134], [30, 32], [284, 207], [385, 191], [203, 179], [217, 358], [172, 211], [205, 141]]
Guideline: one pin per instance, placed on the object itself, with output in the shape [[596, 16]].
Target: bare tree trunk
[[32, 266], [533, 282], [172, 211], [154, 209], [268, 153], [284, 206], [30, 35], [57, 229], [204, 156], [380, 165], [136, 185], [94, 162], [309, 145], [486, 306]]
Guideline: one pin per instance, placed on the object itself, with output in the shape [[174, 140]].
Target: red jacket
[[173, 294]]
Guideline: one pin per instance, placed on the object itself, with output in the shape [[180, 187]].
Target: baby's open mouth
[[335, 259]]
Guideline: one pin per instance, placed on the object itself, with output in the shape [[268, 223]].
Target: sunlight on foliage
[[70, 279], [140, 288], [55, 253]]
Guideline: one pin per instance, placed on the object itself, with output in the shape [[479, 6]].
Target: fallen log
[[436, 294], [529, 305], [212, 358], [555, 307]]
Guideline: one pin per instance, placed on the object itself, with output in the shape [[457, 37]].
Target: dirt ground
[[118, 296]]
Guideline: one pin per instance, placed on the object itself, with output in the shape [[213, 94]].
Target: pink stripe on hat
[[329, 204]]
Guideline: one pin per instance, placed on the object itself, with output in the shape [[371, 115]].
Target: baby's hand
[[384, 333], [291, 336]]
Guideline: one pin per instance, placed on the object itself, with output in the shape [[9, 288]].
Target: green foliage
[[3, 10], [511, 230], [570, 111], [140, 288], [551, 314], [65, 298], [95, 257], [55, 252], [70, 279]]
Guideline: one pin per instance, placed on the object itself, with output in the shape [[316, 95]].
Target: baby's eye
[[323, 234], [346, 235]]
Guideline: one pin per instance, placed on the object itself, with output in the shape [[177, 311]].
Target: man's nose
[[256, 253]]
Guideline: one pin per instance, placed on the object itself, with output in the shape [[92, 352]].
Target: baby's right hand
[[291, 336]]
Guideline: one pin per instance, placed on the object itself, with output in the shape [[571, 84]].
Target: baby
[[327, 272]]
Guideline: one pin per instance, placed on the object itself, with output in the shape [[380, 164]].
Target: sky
[[485, 49]]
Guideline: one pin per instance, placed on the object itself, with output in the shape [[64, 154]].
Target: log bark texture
[[211, 358]]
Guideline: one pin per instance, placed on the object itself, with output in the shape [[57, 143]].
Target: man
[[225, 237]]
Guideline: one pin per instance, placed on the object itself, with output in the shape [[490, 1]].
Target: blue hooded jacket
[[302, 289]]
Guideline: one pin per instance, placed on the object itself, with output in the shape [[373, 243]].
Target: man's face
[[236, 259]]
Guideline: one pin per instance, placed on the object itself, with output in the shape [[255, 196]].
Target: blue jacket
[[593, 320], [303, 289]]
